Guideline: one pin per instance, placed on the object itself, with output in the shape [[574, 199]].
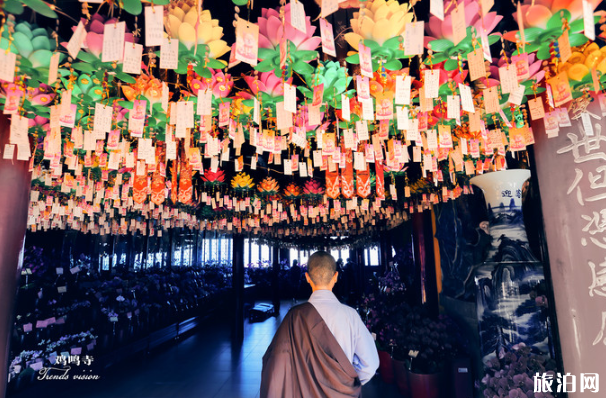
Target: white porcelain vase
[[511, 275], [503, 194]]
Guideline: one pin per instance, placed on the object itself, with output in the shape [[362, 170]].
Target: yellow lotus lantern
[[379, 21], [581, 62], [238, 108], [242, 181], [181, 25]]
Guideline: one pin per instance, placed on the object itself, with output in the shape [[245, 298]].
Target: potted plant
[[511, 373], [377, 317], [424, 349], [381, 310]]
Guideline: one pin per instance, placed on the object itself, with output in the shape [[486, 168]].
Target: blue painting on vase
[[508, 232], [508, 311], [510, 281]]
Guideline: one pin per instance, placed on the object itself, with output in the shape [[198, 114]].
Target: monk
[[322, 348]]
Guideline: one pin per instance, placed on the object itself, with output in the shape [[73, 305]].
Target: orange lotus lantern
[[292, 191], [269, 186], [147, 86]]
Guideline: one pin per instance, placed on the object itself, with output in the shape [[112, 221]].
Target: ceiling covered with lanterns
[[329, 121]]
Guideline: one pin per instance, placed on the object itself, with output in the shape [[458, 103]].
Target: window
[[303, 257], [342, 254], [188, 249], [265, 253], [177, 247], [246, 252], [217, 250], [254, 253], [371, 256], [300, 255], [104, 260], [227, 251], [293, 255]]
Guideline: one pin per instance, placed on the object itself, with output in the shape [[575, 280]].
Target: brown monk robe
[[305, 360]]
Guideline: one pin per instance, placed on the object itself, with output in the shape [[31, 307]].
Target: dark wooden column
[[360, 270], [195, 257], [238, 287], [425, 270], [284, 255], [171, 244], [145, 255], [388, 247], [385, 252], [275, 278], [15, 181]]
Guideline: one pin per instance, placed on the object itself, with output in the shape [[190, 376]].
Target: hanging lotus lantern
[[313, 188], [268, 186], [35, 46], [379, 27], [579, 66], [530, 65], [301, 119], [543, 24], [182, 21], [301, 46], [441, 36], [147, 86], [383, 89], [242, 182], [181, 25], [42, 95], [292, 191], [355, 109], [421, 186], [240, 110], [85, 86], [335, 80], [383, 83], [36, 100], [93, 46], [266, 87], [213, 178], [220, 84]]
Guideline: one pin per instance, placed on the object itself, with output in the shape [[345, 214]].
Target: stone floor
[[203, 365]]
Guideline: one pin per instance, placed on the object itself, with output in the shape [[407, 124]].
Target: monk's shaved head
[[321, 267]]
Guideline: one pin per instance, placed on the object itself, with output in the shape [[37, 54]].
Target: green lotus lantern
[[35, 46]]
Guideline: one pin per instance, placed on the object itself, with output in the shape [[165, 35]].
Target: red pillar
[[15, 184]]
